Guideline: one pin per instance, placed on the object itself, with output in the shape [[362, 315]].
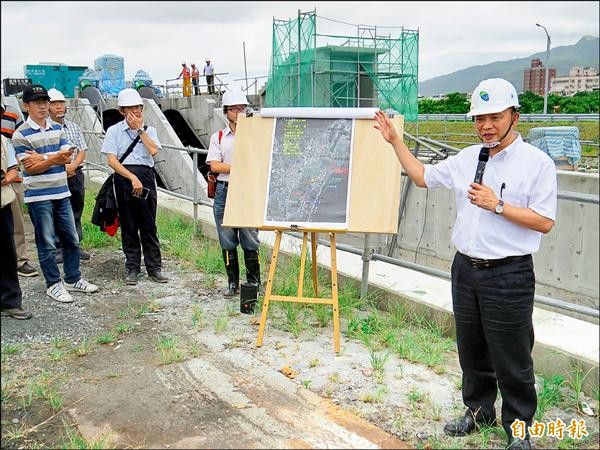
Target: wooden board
[[375, 180]]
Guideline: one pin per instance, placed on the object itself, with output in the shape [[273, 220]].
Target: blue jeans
[[45, 216], [229, 238]]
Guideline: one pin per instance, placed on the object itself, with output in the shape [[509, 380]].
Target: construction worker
[[220, 155], [209, 73], [135, 186], [196, 79], [75, 177], [187, 85]]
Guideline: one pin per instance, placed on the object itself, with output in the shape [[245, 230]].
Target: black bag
[[105, 213]]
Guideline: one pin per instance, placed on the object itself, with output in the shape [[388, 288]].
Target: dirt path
[[180, 369]]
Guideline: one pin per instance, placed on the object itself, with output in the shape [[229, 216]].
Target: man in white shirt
[[499, 225], [209, 73]]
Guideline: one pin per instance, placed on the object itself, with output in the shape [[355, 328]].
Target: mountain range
[[583, 53]]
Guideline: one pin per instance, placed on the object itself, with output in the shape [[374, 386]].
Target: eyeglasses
[[236, 108]]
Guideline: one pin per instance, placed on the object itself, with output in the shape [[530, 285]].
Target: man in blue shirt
[[135, 187]]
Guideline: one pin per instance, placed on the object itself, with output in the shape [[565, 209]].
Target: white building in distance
[[579, 80]]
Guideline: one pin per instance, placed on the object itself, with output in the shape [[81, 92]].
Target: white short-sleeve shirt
[[223, 151], [530, 181]]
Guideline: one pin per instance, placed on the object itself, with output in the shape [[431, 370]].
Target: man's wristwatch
[[499, 207], [45, 156], [140, 131]]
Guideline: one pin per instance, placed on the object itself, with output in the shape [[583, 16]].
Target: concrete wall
[[566, 264]]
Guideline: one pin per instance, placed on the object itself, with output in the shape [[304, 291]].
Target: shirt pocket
[[515, 198]]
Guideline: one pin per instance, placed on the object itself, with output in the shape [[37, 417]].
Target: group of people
[[50, 151], [193, 77], [500, 220]]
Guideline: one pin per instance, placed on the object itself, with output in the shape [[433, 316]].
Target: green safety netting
[[365, 70]]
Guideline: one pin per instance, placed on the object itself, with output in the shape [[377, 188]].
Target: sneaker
[[58, 292], [84, 256], [17, 313], [27, 270], [81, 286]]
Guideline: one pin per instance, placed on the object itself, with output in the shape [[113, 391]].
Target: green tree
[[531, 103]]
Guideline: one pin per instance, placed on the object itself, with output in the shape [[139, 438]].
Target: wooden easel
[[300, 298]]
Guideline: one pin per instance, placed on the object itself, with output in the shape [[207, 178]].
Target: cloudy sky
[[157, 36]]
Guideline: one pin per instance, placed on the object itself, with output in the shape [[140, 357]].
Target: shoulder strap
[[130, 148], [220, 136]]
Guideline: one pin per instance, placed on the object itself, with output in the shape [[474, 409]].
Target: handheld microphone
[[484, 155]]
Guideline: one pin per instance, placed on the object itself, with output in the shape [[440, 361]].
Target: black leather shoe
[[519, 444], [157, 276], [231, 291], [466, 424], [132, 277]]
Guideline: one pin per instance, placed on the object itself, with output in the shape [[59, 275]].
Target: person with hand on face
[[75, 177], [499, 224], [135, 186], [44, 150], [220, 155]]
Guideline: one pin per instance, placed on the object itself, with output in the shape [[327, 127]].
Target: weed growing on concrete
[[106, 338], [15, 432], [167, 348], [124, 328], [197, 316], [575, 380], [378, 359], [73, 439], [313, 363], [194, 350], [83, 348], [57, 355], [323, 313], [375, 397], [11, 349], [221, 324], [306, 384], [550, 395]]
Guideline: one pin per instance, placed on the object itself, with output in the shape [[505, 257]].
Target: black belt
[[222, 182], [478, 263]]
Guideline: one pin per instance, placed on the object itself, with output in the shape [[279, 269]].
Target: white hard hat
[[56, 96], [492, 96], [183, 63], [231, 98], [207, 59], [129, 97]]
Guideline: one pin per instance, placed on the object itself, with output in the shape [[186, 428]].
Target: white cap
[[129, 97], [56, 96], [493, 95], [231, 98]]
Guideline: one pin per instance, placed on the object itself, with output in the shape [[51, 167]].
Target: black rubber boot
[[252, 266], [232, 266]]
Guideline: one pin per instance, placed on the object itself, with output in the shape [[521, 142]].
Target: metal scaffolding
[[365, 70]]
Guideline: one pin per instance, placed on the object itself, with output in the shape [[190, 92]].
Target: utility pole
[[547, 67]]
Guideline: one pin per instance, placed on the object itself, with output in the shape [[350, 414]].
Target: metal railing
[[174, 86], [522, 117], [367, 253]]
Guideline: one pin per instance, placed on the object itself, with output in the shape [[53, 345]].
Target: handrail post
[[366, 258], [195, 191]]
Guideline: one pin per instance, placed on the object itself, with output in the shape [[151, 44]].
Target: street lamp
[[547, 67]]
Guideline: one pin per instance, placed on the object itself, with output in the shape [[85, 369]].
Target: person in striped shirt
[[43, 149]]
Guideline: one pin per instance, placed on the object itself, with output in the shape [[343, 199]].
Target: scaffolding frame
[[367, 69]]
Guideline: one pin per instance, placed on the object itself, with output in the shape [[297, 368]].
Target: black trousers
[[210, 81], [493, 310], [10, 291], [196, 87], [137, 218]]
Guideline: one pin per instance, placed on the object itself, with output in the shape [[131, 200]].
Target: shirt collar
[[35, 126], [506, 152], [227, 130], [124, 126]]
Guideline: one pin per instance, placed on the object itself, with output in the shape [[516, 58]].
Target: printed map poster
[[309, 173]]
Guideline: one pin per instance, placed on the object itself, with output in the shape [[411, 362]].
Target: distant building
[[534, 78], [579, 80]]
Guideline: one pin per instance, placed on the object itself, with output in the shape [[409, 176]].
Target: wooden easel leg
[[334, 296], [302, 265], [313, 245], [265, 307]]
